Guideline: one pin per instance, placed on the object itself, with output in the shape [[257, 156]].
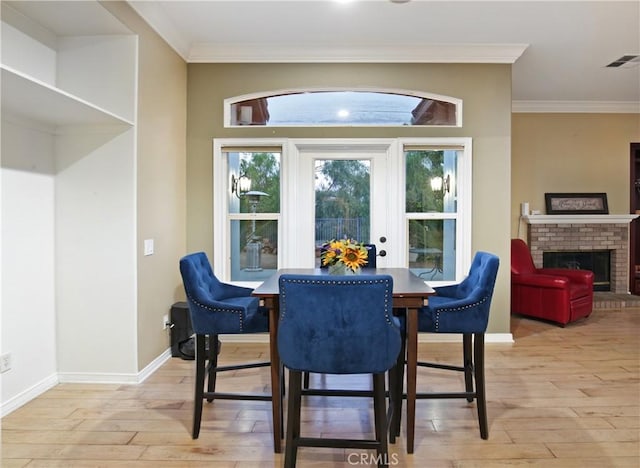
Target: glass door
[[343, 190]]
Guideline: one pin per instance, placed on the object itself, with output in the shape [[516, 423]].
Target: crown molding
[[587, 107], [372, 53], [153, 14]]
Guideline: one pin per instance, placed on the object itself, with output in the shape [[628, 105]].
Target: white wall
[[69, 273], [100, 69], [27, 316], [33, 57], [95, 256]]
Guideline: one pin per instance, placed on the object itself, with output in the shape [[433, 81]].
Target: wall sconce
[[240, 185], [438, 184]]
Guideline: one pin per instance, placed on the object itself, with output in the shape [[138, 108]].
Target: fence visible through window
[[341, 228]]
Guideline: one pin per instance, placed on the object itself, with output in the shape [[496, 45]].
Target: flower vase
[[342, 269]]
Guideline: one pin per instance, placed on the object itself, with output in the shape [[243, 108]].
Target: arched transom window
[[353, 107]]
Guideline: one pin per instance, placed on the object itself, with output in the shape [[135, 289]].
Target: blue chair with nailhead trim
[[464, 309], [337, 325], [217, 308]]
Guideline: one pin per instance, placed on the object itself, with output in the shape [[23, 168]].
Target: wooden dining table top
[[405, 283]]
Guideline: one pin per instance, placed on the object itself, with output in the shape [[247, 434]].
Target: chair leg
[[478, 349], [380, 419], [214, 350], [393, 395], [282, 394], [199, 385], [293, 419], [467, 363], [305, 383]]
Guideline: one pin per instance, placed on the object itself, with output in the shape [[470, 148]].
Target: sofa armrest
[[540, 281], [575, 276]]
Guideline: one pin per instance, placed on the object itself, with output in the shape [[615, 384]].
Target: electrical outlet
[[5, 362], [165, 321]]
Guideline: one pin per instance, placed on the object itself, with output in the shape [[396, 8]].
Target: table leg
[[398, 389], [276, 378], [412, 367]]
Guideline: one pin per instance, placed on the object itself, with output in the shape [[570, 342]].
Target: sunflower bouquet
[[344, 255]]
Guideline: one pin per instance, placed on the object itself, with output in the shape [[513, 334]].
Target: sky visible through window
[[340, 108]]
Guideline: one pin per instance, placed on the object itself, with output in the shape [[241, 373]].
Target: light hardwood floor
[[557, 397]]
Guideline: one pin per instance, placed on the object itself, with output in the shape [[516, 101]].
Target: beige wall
[[161, 181], [570, 153], [485, 90]]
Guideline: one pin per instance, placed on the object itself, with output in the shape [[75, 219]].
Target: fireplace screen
[[598, 261]]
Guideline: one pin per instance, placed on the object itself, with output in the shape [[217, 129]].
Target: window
[[343, 108], [253, 212], [432, 211], [415, 193]]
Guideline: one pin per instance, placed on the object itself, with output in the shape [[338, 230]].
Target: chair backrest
[[337, 325], [217, 307], [371, 255], [521, 261], [463, 307], [200, 283], [481, 278]]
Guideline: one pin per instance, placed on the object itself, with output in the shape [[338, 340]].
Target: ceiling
[[559, 50]]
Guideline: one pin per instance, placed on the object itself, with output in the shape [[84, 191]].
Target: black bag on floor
[[182, 341]]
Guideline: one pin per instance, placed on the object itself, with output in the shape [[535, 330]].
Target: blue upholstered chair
[[217, 308], [464, 308], [337, 325], [371, 263]]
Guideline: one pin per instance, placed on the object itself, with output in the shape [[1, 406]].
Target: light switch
[[148, 246]]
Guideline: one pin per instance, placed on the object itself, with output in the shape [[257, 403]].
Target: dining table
[[410, 293]]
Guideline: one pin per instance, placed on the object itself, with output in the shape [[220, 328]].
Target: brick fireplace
[[577, 233]]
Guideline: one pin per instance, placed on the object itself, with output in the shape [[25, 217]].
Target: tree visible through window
[[342, 200], [431, 212], [253, 214]]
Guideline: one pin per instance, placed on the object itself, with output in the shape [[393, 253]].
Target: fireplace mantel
[[580, 219]]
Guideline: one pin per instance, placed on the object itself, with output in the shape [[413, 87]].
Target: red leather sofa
[[559, 295]]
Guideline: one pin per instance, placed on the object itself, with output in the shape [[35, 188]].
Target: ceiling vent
[[625, 61]]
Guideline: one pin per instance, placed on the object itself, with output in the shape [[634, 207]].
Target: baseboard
[[29, 394], [422, 338], [71, 377], [457, 338]]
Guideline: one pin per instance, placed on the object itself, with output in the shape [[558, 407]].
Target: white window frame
[[221, 194], [290, 178], [463, 190]]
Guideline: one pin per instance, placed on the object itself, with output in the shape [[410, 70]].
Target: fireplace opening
[[598, 261]]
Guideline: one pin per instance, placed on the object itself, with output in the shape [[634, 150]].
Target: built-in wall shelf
[[67, 63], [32, 99], [69, 74], [580, 219]]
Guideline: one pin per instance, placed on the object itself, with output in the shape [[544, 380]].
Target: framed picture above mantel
[[576, 203]]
